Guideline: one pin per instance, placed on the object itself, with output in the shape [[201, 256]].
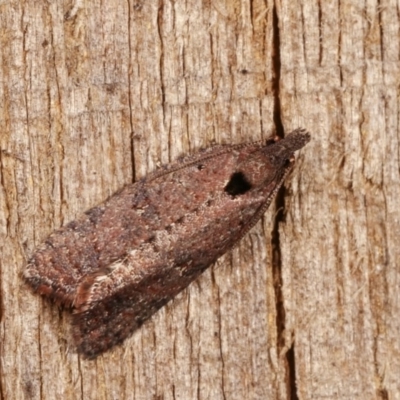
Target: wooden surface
[[96, 94]]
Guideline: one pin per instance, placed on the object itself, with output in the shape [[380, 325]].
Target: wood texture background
[[94, 95]]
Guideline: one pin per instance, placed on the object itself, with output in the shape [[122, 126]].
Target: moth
[[122, 260]]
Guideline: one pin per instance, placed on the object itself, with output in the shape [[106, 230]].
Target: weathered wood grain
[[96, 94]]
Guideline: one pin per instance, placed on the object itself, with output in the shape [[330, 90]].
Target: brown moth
[[119, 262]]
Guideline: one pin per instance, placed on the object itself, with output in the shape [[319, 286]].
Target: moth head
[[267, 163], [281, 151]]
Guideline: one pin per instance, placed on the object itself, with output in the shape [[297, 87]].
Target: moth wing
[[201, 156], [110, 307]]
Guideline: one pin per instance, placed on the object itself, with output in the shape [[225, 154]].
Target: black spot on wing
[[238, 184]]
